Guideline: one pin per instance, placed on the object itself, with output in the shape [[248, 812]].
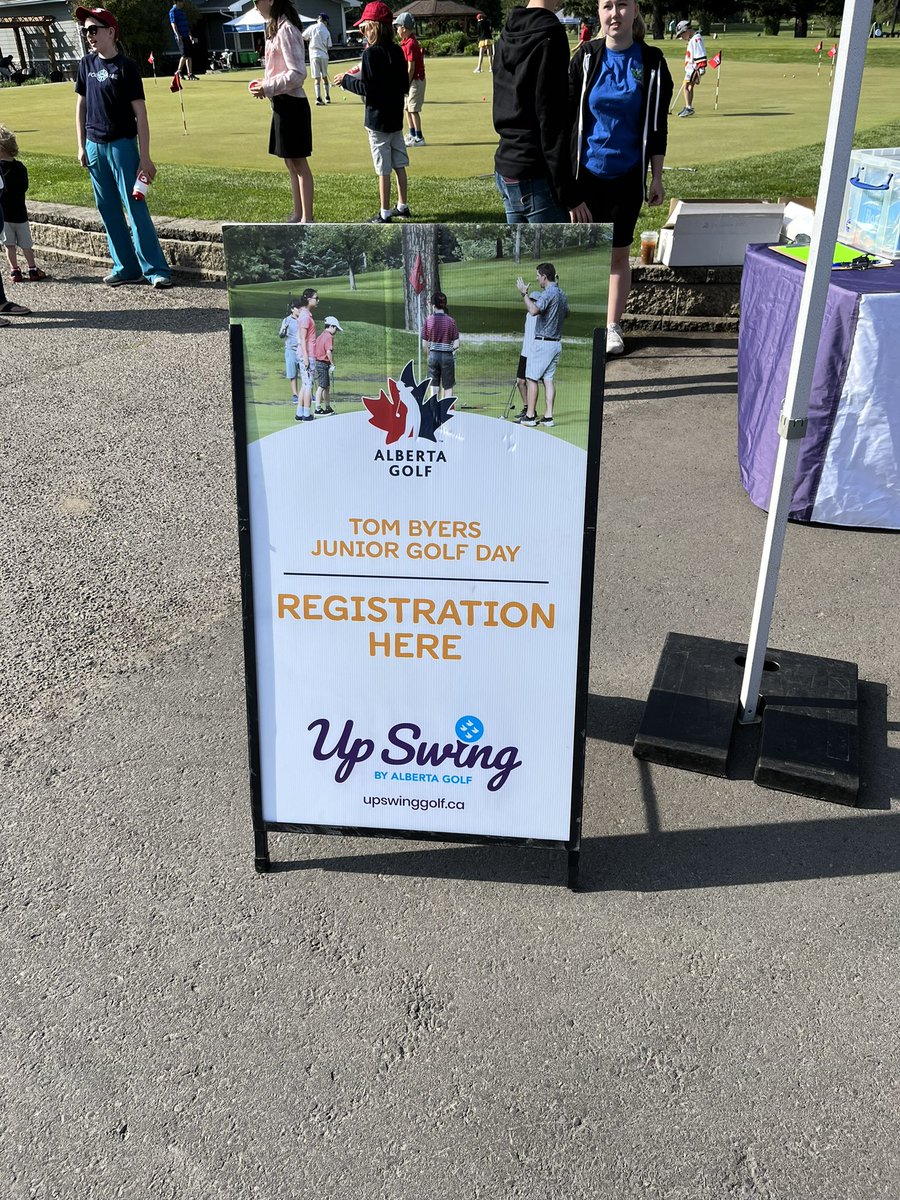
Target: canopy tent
[[252, 22], [440, 11]]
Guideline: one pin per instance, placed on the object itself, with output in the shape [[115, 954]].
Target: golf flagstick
[[152, 61], [176, 86], [793, 420], [716, 61]]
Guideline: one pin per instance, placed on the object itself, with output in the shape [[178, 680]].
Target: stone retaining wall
[[193, 248], [662, 298]]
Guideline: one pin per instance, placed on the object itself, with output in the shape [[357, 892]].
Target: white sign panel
[[417, 551]]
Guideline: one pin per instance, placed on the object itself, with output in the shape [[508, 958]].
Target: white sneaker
[[615, 343], [407, 140]]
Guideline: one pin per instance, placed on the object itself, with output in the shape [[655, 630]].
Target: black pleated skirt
[[291, 133]]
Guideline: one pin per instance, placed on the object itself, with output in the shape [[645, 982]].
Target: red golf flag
[[417, 276], [175, 85], [716, 60], [150, 59], [818, 49], [833, 51]]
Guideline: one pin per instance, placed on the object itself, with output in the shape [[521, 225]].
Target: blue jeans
[[530, 201], [135, 251]]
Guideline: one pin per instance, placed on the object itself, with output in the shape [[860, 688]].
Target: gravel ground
[[713, 1017]]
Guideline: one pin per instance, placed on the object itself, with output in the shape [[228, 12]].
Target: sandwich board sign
[[417, 564]]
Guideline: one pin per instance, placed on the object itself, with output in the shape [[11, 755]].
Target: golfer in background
[[440, 337], [551, 309], [182, 30], [318, 38], [694, 64]]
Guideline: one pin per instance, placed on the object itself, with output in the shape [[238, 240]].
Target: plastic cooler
[[871, 217]]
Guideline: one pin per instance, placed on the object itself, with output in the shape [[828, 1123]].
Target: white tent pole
[[851, 58]]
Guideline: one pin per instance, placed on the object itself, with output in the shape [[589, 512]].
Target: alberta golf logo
[[463, 762], [407, 415]]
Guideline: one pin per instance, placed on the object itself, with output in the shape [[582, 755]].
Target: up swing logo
[[462, 761], [407, 416]]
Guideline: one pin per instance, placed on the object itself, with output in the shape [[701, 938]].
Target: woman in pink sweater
[[290, 137]]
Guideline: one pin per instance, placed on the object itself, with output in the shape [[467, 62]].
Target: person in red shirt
[[440, 337], [415, 62], [324, 352], [306, 353]]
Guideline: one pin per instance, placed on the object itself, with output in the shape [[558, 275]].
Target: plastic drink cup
[[648, 247]]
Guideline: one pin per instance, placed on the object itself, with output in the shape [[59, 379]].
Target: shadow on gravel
[[657, 861], [725, 381], [645, 390], [174, 319]]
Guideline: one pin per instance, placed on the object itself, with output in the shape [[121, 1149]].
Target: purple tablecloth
[[770, 299]]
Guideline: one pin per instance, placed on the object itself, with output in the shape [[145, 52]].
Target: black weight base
[[809, 740]]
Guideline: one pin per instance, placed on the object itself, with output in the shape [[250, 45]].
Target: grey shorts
[[388, 151], [323, 379], [318, 67], [442, 368], [16, 233], [542, 359]]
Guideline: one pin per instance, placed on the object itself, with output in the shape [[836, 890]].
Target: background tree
[[419, 241], [145, 27], [771, 13]]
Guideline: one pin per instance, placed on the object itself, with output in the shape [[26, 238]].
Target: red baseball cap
[[376, 12], [101, 15]]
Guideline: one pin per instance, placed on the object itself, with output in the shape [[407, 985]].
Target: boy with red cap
[[405, 25], [114, 145], [383, 81]]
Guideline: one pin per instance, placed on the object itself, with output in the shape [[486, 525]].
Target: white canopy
[[252, 22]]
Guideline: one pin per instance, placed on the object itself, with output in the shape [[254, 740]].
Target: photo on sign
[[378, 284]]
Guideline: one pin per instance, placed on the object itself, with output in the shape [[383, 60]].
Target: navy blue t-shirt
[[109, 85], [614, 143]]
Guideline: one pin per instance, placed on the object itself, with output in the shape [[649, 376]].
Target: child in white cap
[[324, 352]]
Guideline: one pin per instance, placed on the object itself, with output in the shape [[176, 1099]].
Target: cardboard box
[[715, 233]]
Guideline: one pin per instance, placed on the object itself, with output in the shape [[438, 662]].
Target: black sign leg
[[574, 864], [261, 848]]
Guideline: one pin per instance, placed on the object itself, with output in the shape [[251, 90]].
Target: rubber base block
[[692, 705], [810, 728], [809, 742]]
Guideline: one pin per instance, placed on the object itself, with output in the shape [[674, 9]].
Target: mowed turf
[[764, 107], [483, 301]]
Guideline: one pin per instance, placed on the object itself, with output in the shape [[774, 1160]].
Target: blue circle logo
[[469, 729]]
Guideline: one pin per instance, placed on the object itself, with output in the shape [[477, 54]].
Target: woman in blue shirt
[[620, 90]]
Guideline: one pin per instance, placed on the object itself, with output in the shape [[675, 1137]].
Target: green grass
[[374, 344], [764, 140]]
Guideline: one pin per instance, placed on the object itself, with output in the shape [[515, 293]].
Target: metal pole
[[792, 423]]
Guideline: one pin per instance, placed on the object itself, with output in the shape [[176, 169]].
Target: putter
[[510, 403], [680, 92]]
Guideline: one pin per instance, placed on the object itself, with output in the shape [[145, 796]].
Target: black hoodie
[[531, 66]]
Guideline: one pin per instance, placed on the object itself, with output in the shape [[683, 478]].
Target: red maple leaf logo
[[387, 414]]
